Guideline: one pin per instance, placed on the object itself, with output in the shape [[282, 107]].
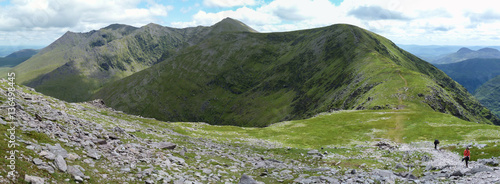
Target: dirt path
[[440, 158]]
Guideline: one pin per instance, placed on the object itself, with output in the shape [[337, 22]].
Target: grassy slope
[[489, 95], [253, 79], [472, 73], [341, 129], [78, 64]]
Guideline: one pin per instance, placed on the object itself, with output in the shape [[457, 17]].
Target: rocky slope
[[255, 79], [88, 142]]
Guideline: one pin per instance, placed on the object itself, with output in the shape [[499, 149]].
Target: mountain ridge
[[105, 55], [336, 65], [472, 73], [466, 53]]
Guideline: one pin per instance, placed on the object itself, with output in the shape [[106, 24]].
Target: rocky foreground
[[90, 143]]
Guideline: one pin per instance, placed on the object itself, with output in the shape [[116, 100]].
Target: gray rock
[[491, 161], [125, 169], [481, 146], [92, 153], [73, 156], [78, 178], [33, 179], [89, 161], [46, 167], [313, 152], [457, 173], [177, 160], [303, 180], [60, 163], [47, 155], [58, 150], [479, 169], [353, 171], [206, 171], [245, 179], [37, 161], [400, 166], [75, 171], [164, 145]]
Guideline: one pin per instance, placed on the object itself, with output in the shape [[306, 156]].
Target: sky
[[421, 22]]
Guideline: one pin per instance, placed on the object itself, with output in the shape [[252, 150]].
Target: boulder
[[177, 160], [58, 150], [457, 173], [60, 163], [245, 179], [400, 166], [92, 153], [491, 161], [33, 179], [47, 155], [313, 152], [46, 167], [75, 171], [37, 161], [164, 145], [479, 169]]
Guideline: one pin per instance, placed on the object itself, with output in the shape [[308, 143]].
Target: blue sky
[[423, 22]]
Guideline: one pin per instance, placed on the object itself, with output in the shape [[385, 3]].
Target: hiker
[[466, 156], [436, 142]]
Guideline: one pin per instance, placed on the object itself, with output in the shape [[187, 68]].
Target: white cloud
[[403, 21], [228, 3], [28, 19]]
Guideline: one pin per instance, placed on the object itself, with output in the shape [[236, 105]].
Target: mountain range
[[229, 74], [466, 53], [17, 57], [472, 73]]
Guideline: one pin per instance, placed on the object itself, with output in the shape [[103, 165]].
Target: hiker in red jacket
[[466, 157]]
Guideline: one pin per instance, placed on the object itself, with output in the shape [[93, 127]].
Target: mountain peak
[[492, 50], [119, 26], [231, 25], [464, 50]]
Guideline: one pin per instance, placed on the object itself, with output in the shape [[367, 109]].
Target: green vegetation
[[489, 95], [472, 73], [76, 65], [255, 79]]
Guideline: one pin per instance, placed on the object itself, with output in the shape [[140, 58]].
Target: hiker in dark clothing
[[466, 157], [436, 142]]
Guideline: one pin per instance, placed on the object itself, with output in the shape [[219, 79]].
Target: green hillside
[[255, 79], [78, 64], [16, 58], [472, 73], [489, 95], [346, 140]]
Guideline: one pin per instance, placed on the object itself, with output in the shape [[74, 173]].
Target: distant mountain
[[78, 64], [466, 53], [430, 53], [254, 79], [472, 73], [489, 95], [17, 57], [23, 53]]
